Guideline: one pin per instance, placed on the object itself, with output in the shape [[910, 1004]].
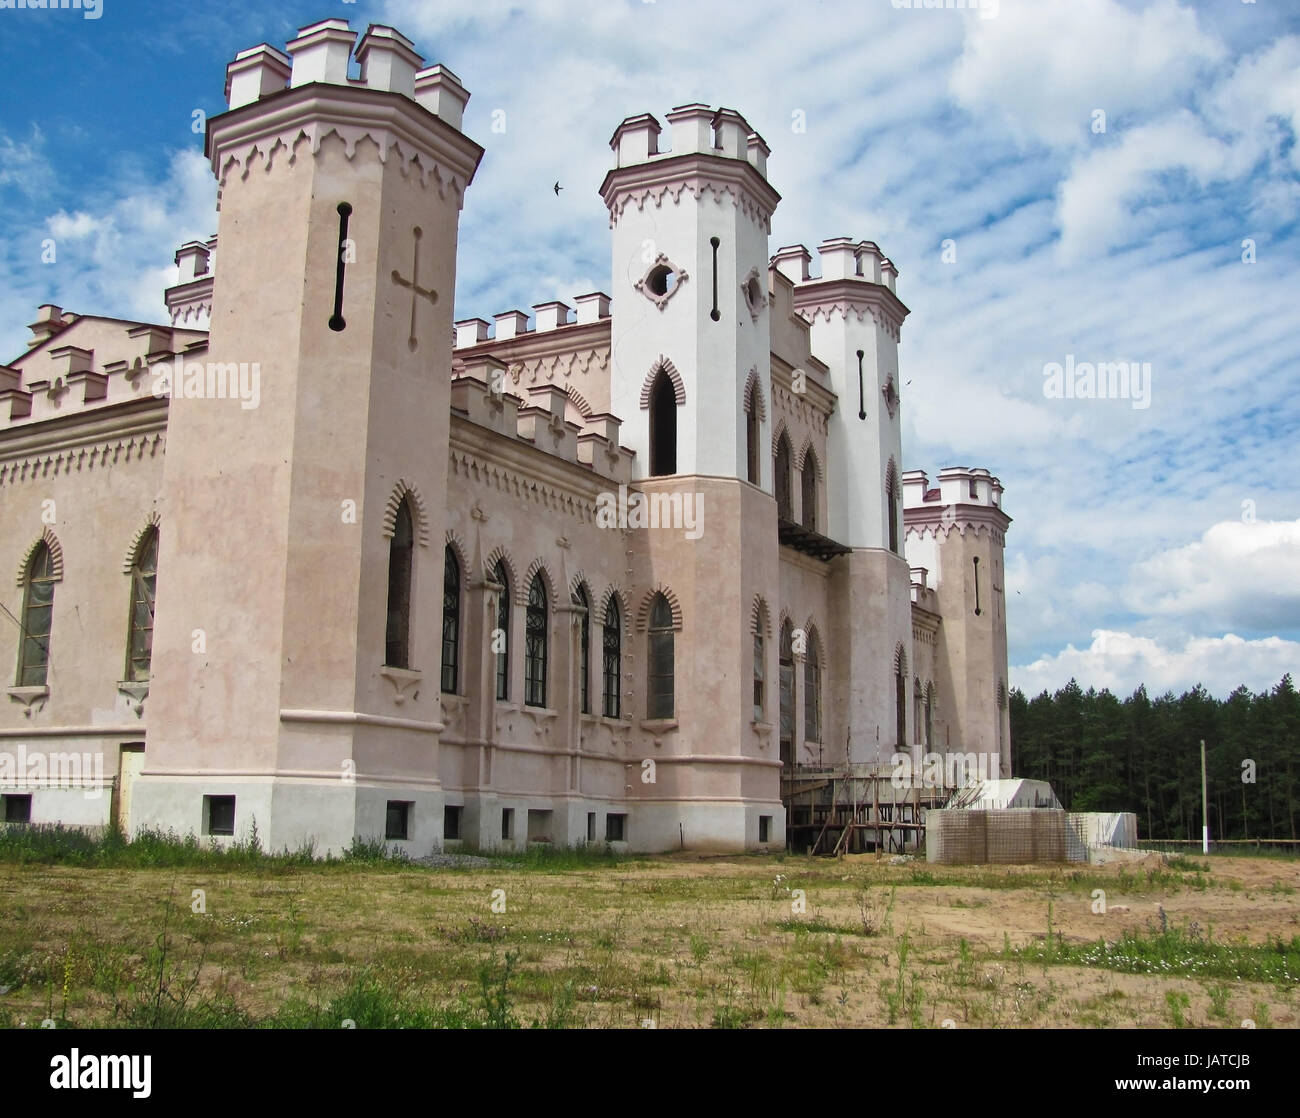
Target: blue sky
[[1157, 544]]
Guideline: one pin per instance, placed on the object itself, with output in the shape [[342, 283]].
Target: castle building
[[313, 557]]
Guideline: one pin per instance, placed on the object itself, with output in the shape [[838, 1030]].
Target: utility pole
[[1205, 809]]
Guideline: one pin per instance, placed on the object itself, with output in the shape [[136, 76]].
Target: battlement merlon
[[276, 96]]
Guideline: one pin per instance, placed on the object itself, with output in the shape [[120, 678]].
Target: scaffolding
[[856, 809]]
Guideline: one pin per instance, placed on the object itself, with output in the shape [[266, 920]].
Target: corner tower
[[273, 677], [957, 531]]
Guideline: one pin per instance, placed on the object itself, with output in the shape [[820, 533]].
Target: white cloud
[[1120, 662], [1046, 65], [1096, 201], [1237, 574]]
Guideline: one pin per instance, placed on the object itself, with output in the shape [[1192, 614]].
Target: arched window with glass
[[612, 660], [450, 621], [38, 618], [784, 494], [581, 599], [808, 495], [536, 634], [144, 583], [401, 556], [501, 638], [812, 692], [660, 660]]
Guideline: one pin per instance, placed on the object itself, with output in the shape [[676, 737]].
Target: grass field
[[164, 935]]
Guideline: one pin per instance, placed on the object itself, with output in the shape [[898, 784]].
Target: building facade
[[314, 557]]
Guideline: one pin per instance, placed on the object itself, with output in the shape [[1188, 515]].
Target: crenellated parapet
[[285, 105], [85, 363], [714, 153], [966, 500], [857, 280]]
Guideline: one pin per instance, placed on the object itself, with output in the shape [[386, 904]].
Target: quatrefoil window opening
[[751, 291], [661, 281]]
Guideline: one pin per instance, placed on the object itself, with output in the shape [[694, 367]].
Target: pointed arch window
[[760, 673], [144, 581], [812, 693], [660, 660], [38, 617], [612, 656], [808, 481], [663, 426], [753, 432], [536, 632], [787, 691], [401, 555], [900, 702], [584, 649], [918, 708], [450, 621], [784, 496], [501, 638]]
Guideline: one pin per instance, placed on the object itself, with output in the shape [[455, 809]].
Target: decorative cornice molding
[[566, 365], [851, 297], [108, 453], [695, 173], [937, 520], [799, 407], [505, 480], [276, 128]]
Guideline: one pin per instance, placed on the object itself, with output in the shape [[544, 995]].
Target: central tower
[[691, 380], [691, 325]]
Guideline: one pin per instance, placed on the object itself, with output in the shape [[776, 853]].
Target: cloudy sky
[[1058, 181]]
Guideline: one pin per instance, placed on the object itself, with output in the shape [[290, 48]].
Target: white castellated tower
[[856, 318], [339, 205], [690, 339], [957, 531], [689, 243]]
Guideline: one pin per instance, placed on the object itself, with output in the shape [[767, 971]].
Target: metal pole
[[1205, 808]]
